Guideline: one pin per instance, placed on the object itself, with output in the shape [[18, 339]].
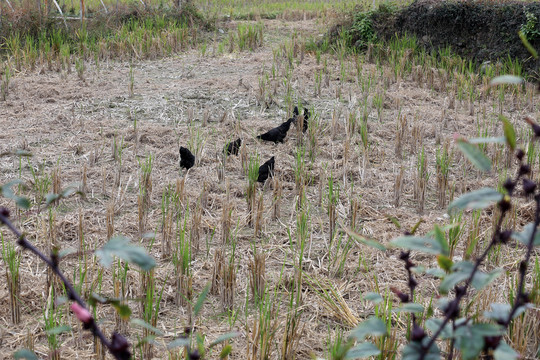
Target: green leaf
[[7, 190], [25, 153], [462, 271], [373, 297], [224, 337], [475, 155], [22, 202], [441, 239], [470, 343], [200, 301], [413, 351], [372, 326], [50, 198], [500, 312], [123, 310], [150, 339], [362, 350], [425, 244], [359, 238], [371, 243], [488, 140], [149, 235], [434, 324], [25, 354], [527, 44], [442, 303], [67, 192], [435, 272], [452, 280], [410, 308], [416, 226], [505, 352], [8, 193], [97, 298], [478, 199], [506, 79], [225, 351], [179, 342], [445, 228], [488, 329], [394, 221], [66, 252], [481, 279], [147, 326], [121, 247], [470, 337], [57, 330], [509, 132], [525, 236], [438, 273], [60, 300], [444, 262]]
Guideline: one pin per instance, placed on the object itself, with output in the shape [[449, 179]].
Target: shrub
[[479, 334]]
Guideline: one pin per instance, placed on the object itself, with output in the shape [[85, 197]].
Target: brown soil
[[71, 124]]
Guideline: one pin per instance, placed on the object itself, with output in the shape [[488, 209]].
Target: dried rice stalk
[[217, 272], [228, 286], [258, 219], [277, 197], [332, 300], [257, 270]]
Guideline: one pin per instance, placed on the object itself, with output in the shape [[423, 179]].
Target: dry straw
[[257, 271]]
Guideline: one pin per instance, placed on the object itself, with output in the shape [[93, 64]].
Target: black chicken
[[277, 134], [187, 159], [233, 147], [265, 170]]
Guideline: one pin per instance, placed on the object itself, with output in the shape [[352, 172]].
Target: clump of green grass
[[12, 260], [250, 36], [421, 180], [52, 317], [33, 40], [181, 259], [253, 175], [443, 165], [145, 192], [150, 312], [42, 184], [257, 275], [268, 9], [333, 199], [361, 32]]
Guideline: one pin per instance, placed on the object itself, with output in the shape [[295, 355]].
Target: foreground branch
[[452, 311], [118, 346]]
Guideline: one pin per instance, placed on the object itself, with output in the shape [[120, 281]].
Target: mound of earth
[[482, 31]]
